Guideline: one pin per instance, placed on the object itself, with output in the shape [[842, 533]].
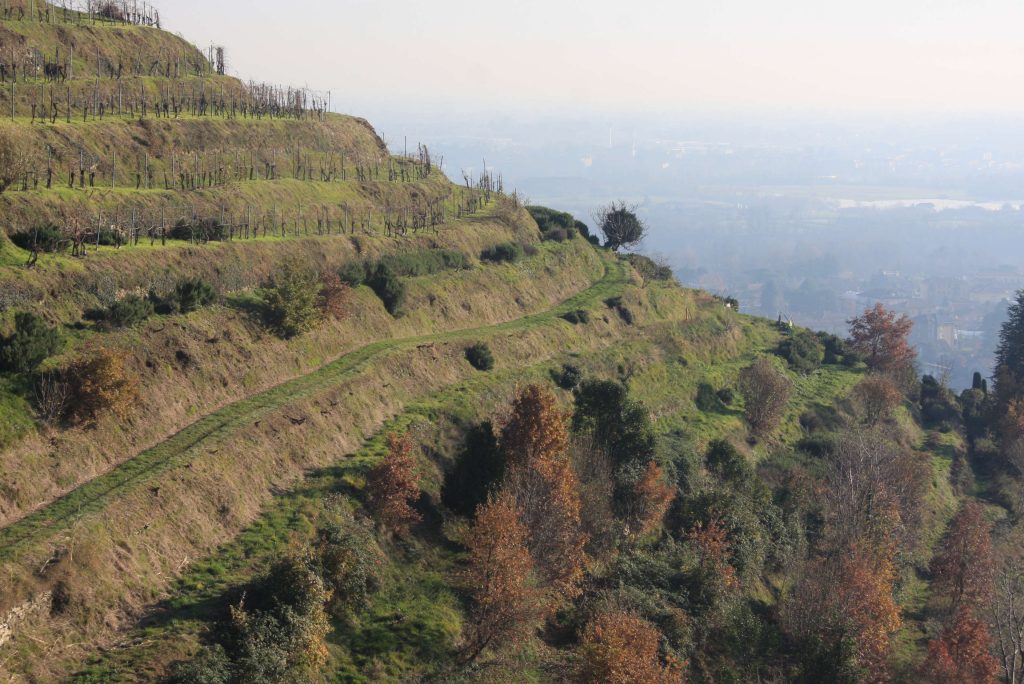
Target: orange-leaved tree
[[848, 596], [865, 593], [712, 542], [101, 380], [392, 484], [507, 603], [962, 653], [623, 648], [653, 496], [334, 296], [963, 572], [542, 479], [881, 338], [877, 397]]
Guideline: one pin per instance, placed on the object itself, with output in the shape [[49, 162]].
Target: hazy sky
[[942, 56]]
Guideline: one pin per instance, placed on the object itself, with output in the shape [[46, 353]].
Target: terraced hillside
[[221, 304], [150, 169]]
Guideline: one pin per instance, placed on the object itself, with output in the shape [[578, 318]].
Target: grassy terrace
[[217, 427]]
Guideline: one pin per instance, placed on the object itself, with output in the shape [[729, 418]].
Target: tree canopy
[[620, 225]]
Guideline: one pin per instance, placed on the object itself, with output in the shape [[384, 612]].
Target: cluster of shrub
[[275, 629], [480, 356], [806, 351], [577, 316], [98, 380], [49, 238], [507, 252], [675, 534], [384, 276], [558, 226], [649, 269], [187, 296], [709, 400]]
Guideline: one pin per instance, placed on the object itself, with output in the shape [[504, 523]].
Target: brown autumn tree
[[766, 392], [877, 396], [392, 484], [961, 654], [963, 572], [712, 543], [849, 595], [101, 380], [1011, 424], [623, 648], [541, 477], [507, 603], [536, 431], [881, 338], [653, 495], [867, 580], [334, 296], [594, 471]]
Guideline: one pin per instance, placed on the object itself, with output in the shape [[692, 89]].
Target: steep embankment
[[118, 540], [135, 165], [678, 340], [190, 365]]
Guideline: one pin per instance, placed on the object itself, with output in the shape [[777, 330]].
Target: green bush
[[129, 312], [210, 666], [46, 238], [578, 316], [726, 396], [187, 296], [556, 226], [621, 427], [478, 470], [388, 286], [803, 351], [426, 262], [569, 377], [109, 238], [707, 400], [557, 235], [348, 562], [480, 356], [509, 252], [724, 460], [32, 342], [620, 308], [200, 230], [353, 273], [292, 300], [939, 406], [648, 268]]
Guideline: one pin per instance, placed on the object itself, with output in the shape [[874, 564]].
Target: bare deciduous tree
[[52, 396], [766, 393], [15, 160], [1007, 613], [875, 491]]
